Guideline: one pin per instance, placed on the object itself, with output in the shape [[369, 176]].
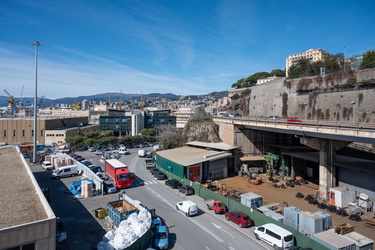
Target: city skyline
[[185, 48]]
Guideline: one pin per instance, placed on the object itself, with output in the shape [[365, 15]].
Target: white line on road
[[231, 248], [207, 231], [219, 227]]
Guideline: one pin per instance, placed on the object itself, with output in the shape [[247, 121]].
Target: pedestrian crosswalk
[[144, 183]]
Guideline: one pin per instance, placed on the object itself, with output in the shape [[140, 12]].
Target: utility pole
[[36, 44]]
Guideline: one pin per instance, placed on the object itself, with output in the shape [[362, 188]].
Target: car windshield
[[161, 235], [220, 204], [123, 176], [246, 218], [110, 185]]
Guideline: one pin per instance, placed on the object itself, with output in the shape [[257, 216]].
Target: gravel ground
[[19, 203]]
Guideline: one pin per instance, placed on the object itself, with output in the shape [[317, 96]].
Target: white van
[[188, 207], [142, 153], [65, 171], [47, 165], [274, 235]]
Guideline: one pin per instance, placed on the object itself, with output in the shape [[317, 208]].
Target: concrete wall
[[327, 97]]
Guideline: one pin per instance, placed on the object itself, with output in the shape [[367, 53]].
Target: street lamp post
[[274, 112], [305, 104], [354, 103], [36, 44]]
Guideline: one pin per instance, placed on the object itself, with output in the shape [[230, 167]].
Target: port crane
[[11, 98], [20, 100]]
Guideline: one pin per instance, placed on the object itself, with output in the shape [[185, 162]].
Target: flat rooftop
[[19, 203]]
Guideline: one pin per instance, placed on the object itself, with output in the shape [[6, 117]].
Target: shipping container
[[361, 242], [291, 217], [251, 200], [333, 241], [341, 196], [309, 223], [327, 219]]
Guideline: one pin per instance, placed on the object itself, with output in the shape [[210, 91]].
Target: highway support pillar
[[327, 153]]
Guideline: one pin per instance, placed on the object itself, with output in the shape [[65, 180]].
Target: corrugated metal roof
[[252, 158], [218, 145], [187, 156]]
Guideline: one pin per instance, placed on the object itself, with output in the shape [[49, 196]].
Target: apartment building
[[313, 55]]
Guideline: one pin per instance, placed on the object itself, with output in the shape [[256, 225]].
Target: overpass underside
[[323, 160]]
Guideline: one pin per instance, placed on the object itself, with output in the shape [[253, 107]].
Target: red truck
[[218, 206], [119, 172]]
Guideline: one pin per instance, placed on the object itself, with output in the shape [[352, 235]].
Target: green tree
[[94, 135], [242, 83], [368, 60], [235, 97], [75, 141], [278, 72], [148, 131], [108, 133]]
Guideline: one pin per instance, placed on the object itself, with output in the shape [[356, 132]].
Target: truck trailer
[[119, 173]]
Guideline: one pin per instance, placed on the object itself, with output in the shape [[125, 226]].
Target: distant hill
[[112, 97]]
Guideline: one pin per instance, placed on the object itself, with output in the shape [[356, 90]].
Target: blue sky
[[167, 46]]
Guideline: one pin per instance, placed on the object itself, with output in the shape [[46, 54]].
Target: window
[[14, 133], [5, 133], [41, 133], [30, 246], [32, 132], [23, 133]]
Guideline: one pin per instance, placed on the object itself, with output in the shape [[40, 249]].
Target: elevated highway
[[252, 135]]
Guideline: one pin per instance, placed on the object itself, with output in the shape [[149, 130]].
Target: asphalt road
[[204, 231]]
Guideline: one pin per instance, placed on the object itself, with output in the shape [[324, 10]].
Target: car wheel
[[177, 208], [226, 217], [257, 237], [215, 211], [240, 225], [275, 247], [57, 177], [187, 214]]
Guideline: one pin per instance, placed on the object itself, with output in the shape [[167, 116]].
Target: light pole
[[305, 104], [354, 103], [36, 44], [274, 115]]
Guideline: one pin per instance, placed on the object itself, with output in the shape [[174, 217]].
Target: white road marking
[[208, 231], [219, 227]]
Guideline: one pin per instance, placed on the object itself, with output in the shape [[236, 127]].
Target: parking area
[[84, 230]]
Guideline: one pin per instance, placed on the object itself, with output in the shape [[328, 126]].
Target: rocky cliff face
[[200, 131]]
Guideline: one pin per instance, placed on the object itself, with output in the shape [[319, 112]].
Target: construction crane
[[141, 104], [11, 99], [76, 105], [120, 102], [20, 100]]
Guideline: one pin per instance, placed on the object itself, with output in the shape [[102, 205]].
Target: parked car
[[241, 219], [161, 237], [189, 208], [80, 159], [273, 117], [274, 235], [186, 189], [155, 172], [98, 152], [47, 165], [86, 163], [173, 183], [76, 156], [109, 188], [91, 149], [161, 176], [96, 169], [293, 120]]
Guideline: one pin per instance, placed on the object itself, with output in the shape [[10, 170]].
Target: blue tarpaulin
[[75, 187]]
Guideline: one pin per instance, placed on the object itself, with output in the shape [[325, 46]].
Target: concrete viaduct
[[255, 137]]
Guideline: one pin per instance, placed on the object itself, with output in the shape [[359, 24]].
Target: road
[[204, 231]]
